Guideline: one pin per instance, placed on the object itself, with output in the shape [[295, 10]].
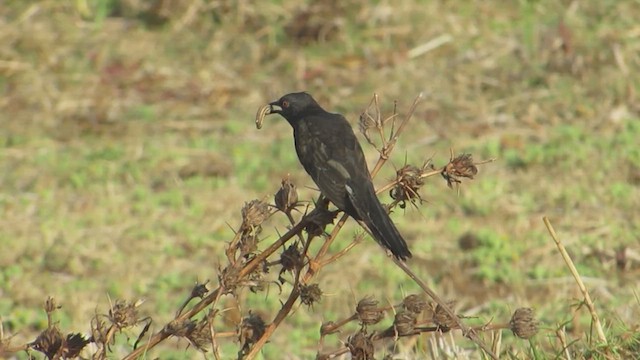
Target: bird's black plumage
[[330, 152]]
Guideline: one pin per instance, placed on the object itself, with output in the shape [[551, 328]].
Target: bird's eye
[[285, 104]]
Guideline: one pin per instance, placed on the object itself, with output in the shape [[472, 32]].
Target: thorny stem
[[395, 182], [314, 266], [232, 246], [342, 252], [282, 314], [293, 222], [207, 300], [325, 246]]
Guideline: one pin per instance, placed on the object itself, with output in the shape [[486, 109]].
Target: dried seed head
[[286, 198], [49, 342], [200, 335], [360, 346], [523, 323], [74, 345], [256, 281], [310, 294], [404, 322], [461, 166], [254, 213], [291, 258], [319, 218], [251, 330], [414, 303], [441, 318], [408, 182], [368, 311], [180, 328], [199, 290], [248, 243], [229, 278], [50, 305], [123, 314]]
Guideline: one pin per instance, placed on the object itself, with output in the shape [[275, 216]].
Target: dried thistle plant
[[52, 343], [286, 198], [249, 265], [368, 311], [523, 323], [459, 167], [250, 331]]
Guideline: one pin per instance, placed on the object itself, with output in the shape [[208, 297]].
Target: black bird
[[330, 152]]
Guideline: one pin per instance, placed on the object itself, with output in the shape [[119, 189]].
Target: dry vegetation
[[130, 161]]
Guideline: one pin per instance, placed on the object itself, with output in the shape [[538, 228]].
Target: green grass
[[128, 148]]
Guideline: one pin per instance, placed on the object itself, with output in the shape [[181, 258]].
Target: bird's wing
[[331, 154]]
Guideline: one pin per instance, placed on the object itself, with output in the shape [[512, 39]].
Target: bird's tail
[[374, 215]]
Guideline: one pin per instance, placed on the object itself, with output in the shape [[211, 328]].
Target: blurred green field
[[128, 148]]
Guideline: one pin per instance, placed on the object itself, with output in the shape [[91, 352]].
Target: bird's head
[[292, 106]]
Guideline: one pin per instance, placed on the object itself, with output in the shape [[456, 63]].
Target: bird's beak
[[275, 110], [271, 108]]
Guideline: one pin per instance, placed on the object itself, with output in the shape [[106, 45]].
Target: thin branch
[[576, 276], [389, 147]]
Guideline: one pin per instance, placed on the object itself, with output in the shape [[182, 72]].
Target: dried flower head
[[523, 323], [229, 278], [256, 280], [291, 258], [460, 166], [441, 317], [319, 218], [408, 181], [404, 322], [310, 294], [360, 346], [254, 213], [414, 303], [49, 342], [124, 314], [248, 243], [74, 345], [199, 290], [200, 335], [50, 305], [286, 198], [251, 330], [179, 328], [368, 311]]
